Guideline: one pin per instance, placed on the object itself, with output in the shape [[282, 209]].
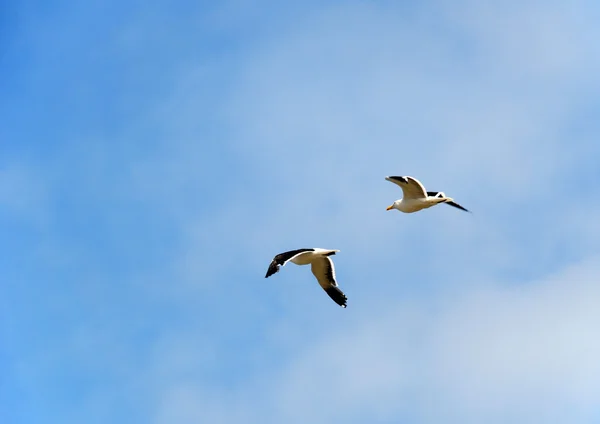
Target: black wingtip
[[397, 178], [337, 295], [273, 268], [456, 205]]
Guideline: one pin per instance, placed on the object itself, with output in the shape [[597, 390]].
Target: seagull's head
[[394, 205]]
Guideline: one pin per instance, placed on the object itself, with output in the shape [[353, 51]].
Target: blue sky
[[154, 157]]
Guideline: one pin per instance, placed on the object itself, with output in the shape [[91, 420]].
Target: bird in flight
[[321, 266], [415, 197]]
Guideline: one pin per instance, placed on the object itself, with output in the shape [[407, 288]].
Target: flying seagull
[[321, 266], [416, 198]]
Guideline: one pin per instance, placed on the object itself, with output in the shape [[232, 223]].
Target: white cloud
[[491, 353], [330, 103], [524, 350], [327, 101], [365, 93], [353, 89], [540, 41]]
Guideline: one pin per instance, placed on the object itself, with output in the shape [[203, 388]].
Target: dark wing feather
[[337, 295], [398, 179], [282, 258], [325, 273], [273, 268], [456, 205]]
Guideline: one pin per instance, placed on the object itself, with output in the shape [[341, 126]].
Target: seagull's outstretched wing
[[282, 258], [456, 205], [411, 187], [441, 195], [323, 269]]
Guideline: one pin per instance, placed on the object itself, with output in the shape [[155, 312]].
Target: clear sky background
[[155, 156]]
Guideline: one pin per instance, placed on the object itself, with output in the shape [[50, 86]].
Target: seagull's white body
[[310, 257], [416, 198], [321, 266], [414, 205]]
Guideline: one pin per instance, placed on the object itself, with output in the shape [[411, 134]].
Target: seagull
[[321, 266], [416, 198]]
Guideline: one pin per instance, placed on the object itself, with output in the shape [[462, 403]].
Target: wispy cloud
[[493, 352], [165, 195]]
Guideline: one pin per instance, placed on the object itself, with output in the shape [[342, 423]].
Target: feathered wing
[[456, 205], [273, 268], [450, 202], [411, 187], [282, 258], [323, 270], [437, 194]]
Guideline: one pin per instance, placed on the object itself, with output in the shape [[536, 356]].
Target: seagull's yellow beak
[[389, 207]]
